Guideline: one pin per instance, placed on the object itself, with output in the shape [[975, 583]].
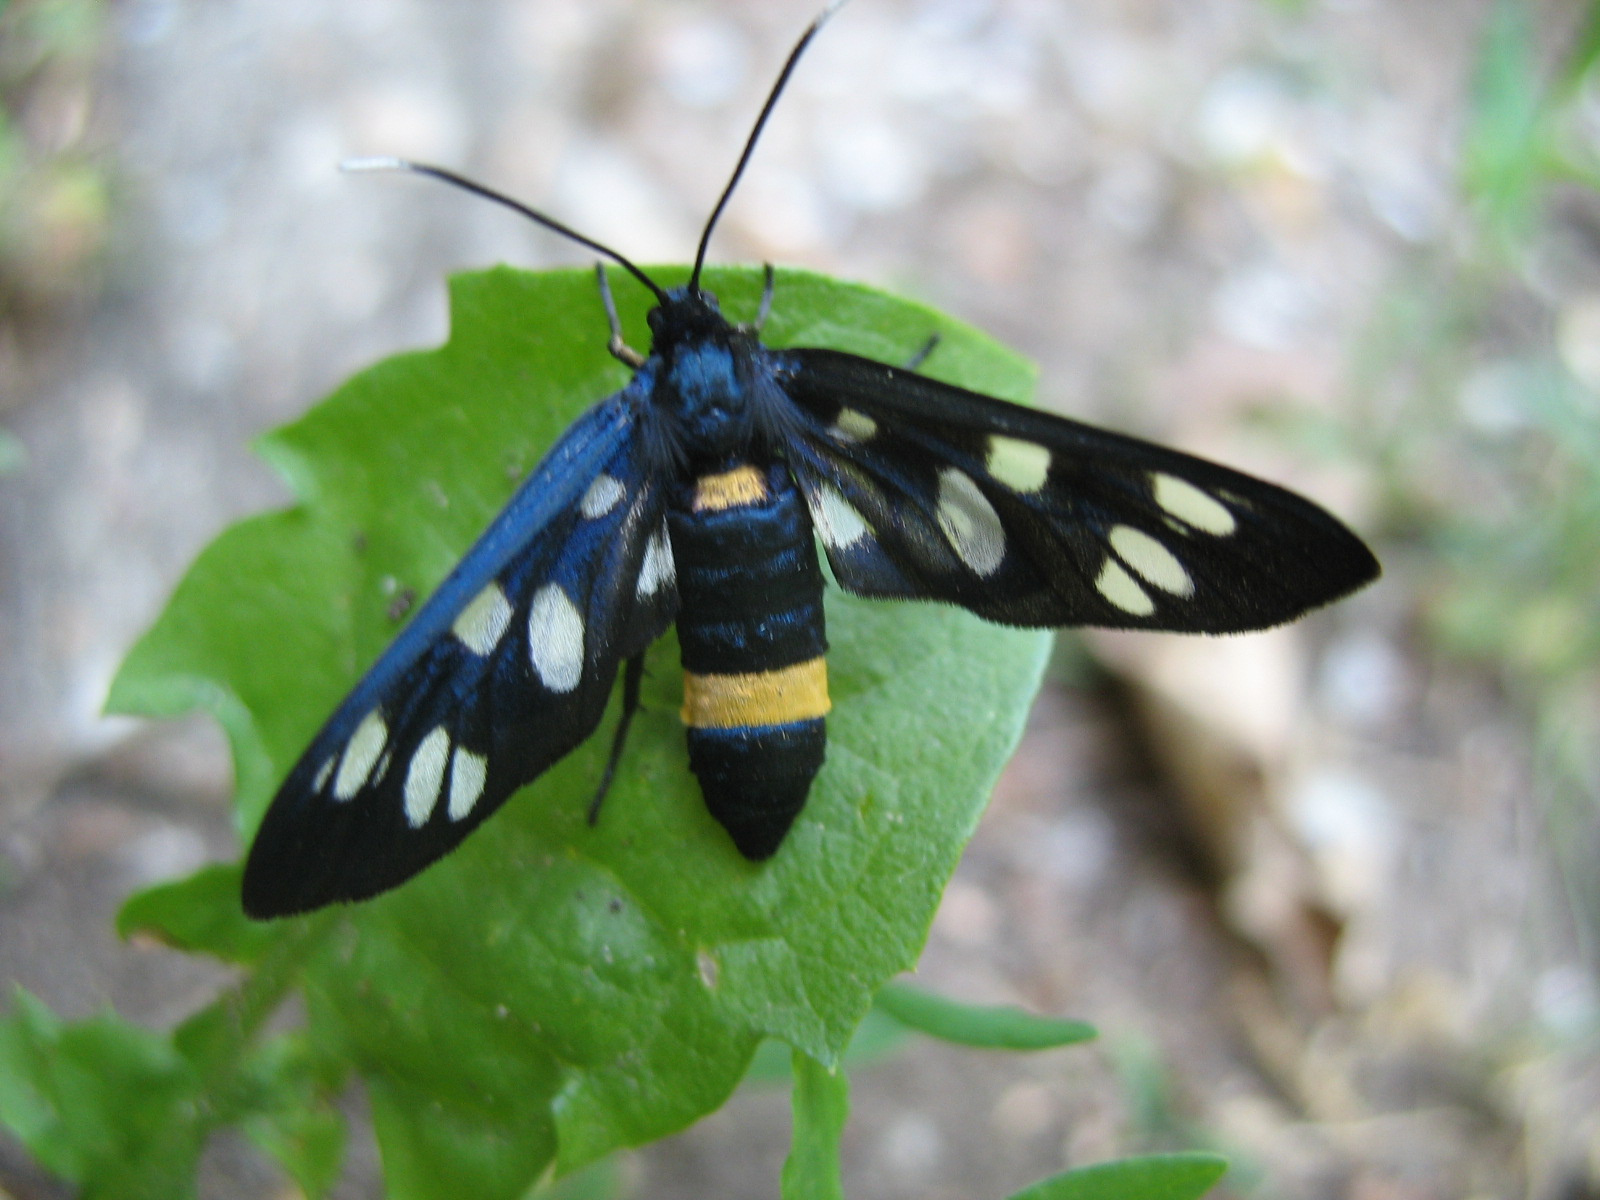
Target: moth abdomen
[[752, 640], [756, 780]]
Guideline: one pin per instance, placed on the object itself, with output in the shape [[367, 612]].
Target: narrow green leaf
[[877, 1037], [25, 1036], [821, 1105], [989, 1027], [1157, 1177], [603, 1180]]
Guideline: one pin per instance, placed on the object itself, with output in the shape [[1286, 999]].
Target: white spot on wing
[[1191, 505], [853, 426], [360, 752], [837, 521], [555, 639], [970, 522], [1117, 586], [481, 624], [603, 495], [657, 569], [424, 776], [467, 773], [1152, 561], [1023, 466], [324, 773]]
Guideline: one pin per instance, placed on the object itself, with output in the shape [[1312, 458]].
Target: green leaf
[[602, 1180], [433, 1147], [282, 1096], [198, 913], [555, 991], [101, 1103], [306, 1140], [821, 1105], [876, 1037], [1157, 1177], [995, 1028]]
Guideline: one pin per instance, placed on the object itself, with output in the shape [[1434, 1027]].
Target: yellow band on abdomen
[[777, 697], [740, 487]]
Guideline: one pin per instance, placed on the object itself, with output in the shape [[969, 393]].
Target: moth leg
[[619, 349], [765, 308], [921, 356], [632, 677]]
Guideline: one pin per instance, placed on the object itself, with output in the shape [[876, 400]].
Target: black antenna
[[550, 223], [478, 189], [755, 134]]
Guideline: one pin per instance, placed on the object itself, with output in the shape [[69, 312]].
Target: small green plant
[[552, 992]]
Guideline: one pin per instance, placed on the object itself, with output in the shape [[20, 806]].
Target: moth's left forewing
[[923, 490], [504, 670]]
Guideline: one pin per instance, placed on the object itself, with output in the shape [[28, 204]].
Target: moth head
[[687, 315]]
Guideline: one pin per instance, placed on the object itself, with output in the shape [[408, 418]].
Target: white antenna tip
[[826, 14], [379, 163]]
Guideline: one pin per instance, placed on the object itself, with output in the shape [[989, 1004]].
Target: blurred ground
[[1305, 882]]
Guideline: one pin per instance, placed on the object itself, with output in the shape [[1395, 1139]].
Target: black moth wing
[[922, 490], [502, 672]]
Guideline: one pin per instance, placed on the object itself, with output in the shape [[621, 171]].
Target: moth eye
[[1189, 504]]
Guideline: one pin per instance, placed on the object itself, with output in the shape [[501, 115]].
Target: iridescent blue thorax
[[704, 378]]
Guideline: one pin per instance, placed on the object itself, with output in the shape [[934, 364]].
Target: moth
[[698, 494]]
